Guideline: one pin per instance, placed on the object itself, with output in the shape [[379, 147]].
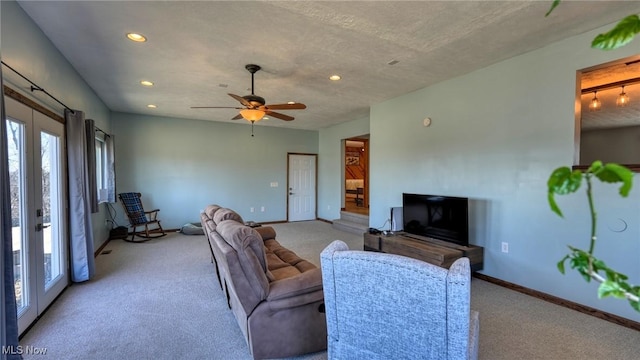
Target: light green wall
[[497, 134], [27, 49], [180, 166], [330, 165]]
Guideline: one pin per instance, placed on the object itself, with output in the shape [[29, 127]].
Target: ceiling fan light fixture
[[252, 114], [595, 104], [623, 98]]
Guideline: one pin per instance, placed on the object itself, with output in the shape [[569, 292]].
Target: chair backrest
[[385, 306], [246, 261], [132, 205]]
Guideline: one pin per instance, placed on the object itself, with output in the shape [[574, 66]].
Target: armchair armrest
[[297, 290], [152, 214], [474, 331]]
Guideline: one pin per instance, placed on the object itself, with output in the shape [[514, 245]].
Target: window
[[101, 170]]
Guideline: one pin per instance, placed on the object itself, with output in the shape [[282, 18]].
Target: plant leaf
[[614, 173], [595, 167], [562, 181], [610, 288], [619, 36], [561, 264], [554, 206], [553, 6]]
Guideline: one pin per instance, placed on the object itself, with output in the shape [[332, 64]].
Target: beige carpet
[[161, 300]]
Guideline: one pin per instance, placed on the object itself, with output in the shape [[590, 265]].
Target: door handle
[[39, 227]]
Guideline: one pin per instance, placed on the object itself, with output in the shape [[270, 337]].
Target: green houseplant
[[564, 181]]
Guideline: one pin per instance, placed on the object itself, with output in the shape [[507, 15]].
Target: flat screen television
[[439, 217]]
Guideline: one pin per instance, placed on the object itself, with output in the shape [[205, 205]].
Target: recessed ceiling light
[[335, 77], [136, 37], [151, 106], [146, 83], [291, 102]]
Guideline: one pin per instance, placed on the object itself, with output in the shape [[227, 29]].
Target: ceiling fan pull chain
[[252, 121]]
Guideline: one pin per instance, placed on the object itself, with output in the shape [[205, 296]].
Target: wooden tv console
[[433, 251]]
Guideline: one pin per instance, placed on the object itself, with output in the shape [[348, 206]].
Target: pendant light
[[623, 98], [595, 104]]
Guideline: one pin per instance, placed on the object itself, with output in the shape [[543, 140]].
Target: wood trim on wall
[[619, 320], [32, 104]]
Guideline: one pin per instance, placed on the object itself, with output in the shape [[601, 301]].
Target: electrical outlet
[[252, 209], [262, 209], [505, 247]]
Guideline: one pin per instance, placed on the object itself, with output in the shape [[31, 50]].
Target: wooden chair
[[138, 217]]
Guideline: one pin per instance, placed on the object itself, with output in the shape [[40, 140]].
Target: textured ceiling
[[197, 51]]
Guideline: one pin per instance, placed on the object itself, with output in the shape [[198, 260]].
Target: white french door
[[37, 180], [302, 187]]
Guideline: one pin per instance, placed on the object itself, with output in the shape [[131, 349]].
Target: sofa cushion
[[211, 209], [284, 263], [226, 214]]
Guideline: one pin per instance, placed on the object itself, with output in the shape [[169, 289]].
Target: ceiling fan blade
[[237, 117], [216, 107], [242, 100], [279, 115], [296, 106]]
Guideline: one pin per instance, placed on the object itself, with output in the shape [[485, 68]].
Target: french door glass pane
[[17, 181], [51, 209]]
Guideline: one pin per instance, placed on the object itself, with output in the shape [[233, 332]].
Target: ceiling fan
[[254, 106]]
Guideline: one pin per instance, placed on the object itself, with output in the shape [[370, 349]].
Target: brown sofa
[[275, 295]]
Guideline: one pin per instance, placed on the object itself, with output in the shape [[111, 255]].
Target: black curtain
[[9, 326]]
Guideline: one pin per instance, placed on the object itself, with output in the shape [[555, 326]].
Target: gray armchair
[[385, 306]]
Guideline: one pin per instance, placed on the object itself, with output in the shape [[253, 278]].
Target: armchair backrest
[[384, 306]]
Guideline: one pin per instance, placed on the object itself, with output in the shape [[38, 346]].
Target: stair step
[[355, 218], [351, 227]]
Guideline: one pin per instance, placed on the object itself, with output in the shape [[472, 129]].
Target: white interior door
[[37, 178], [302, 187]]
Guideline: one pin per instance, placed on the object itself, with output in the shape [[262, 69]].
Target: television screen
[[438, 217]]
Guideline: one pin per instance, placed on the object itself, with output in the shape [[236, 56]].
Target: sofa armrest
[[297, 290]]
